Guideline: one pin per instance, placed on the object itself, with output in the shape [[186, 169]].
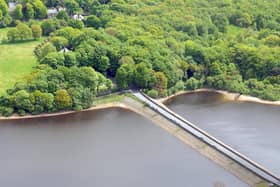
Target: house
[[64, 50], [61, 9], [78, 17], [52, 12], [12, 6]]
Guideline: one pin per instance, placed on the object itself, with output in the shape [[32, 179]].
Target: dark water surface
[[252, 129], [110, 148]]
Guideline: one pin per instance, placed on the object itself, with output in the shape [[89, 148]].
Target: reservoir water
[[106, 148], [252, 129]]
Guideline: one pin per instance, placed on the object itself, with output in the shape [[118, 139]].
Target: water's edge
[[227, 95], [135, 106], [237, 97]]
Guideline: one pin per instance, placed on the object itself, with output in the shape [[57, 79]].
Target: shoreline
[[45, 115], [190, 140], [230, 96], [227, 95]]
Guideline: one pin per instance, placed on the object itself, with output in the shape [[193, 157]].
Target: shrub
[[63, 99], [62, 15], [192, 84], [152, 93], [6, 111], [53, 59], [29, 11], [6, 21], [77, 24], [21, 112], [17, 13], [13, 35], [44, 51], [93, 21], [59, 42], [36, 31], [70, 59], [25, 33], [49, 26], [21, 33]]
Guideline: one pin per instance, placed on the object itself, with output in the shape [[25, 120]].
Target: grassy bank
[[108, 99], [16, 61]]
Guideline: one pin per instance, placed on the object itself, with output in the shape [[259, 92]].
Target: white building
[[78, 17], [54, 11], [64, 50], [12, 6], [61, 9]]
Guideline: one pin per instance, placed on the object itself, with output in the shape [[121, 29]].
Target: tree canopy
[[158, 46]]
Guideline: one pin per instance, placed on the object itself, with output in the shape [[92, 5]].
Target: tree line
[[160, 47]]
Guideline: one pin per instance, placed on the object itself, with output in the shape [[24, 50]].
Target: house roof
[[12, 5], [52, 11], [79, 17], [64, 50]]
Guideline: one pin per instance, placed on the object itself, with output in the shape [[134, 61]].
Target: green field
[[16, 61]]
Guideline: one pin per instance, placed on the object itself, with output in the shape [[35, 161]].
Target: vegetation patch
[[108, 99], [17, 61], [160, 47]]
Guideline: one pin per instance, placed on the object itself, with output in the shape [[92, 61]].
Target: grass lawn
[[108, 99], [16, 61]]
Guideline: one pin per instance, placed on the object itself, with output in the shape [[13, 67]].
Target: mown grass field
[[16, 61]]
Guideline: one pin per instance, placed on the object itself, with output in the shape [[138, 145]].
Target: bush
[[36, 31], [21, 33], [63, 99], [70, 59], [29, 11], [23, 101], [40, 9], [49, 26], [25, 33], [6, 111], [152, 93], [41, 52], [272, 40], [59, 42], [62, 15], [93, 21], [192, 84], [53, 59], [77, 24], [13, 35], [241, 19], [6, 21], [21, 112], [17, 13], [179, 86]]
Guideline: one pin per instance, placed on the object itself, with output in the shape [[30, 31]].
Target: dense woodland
[[159, 46]]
